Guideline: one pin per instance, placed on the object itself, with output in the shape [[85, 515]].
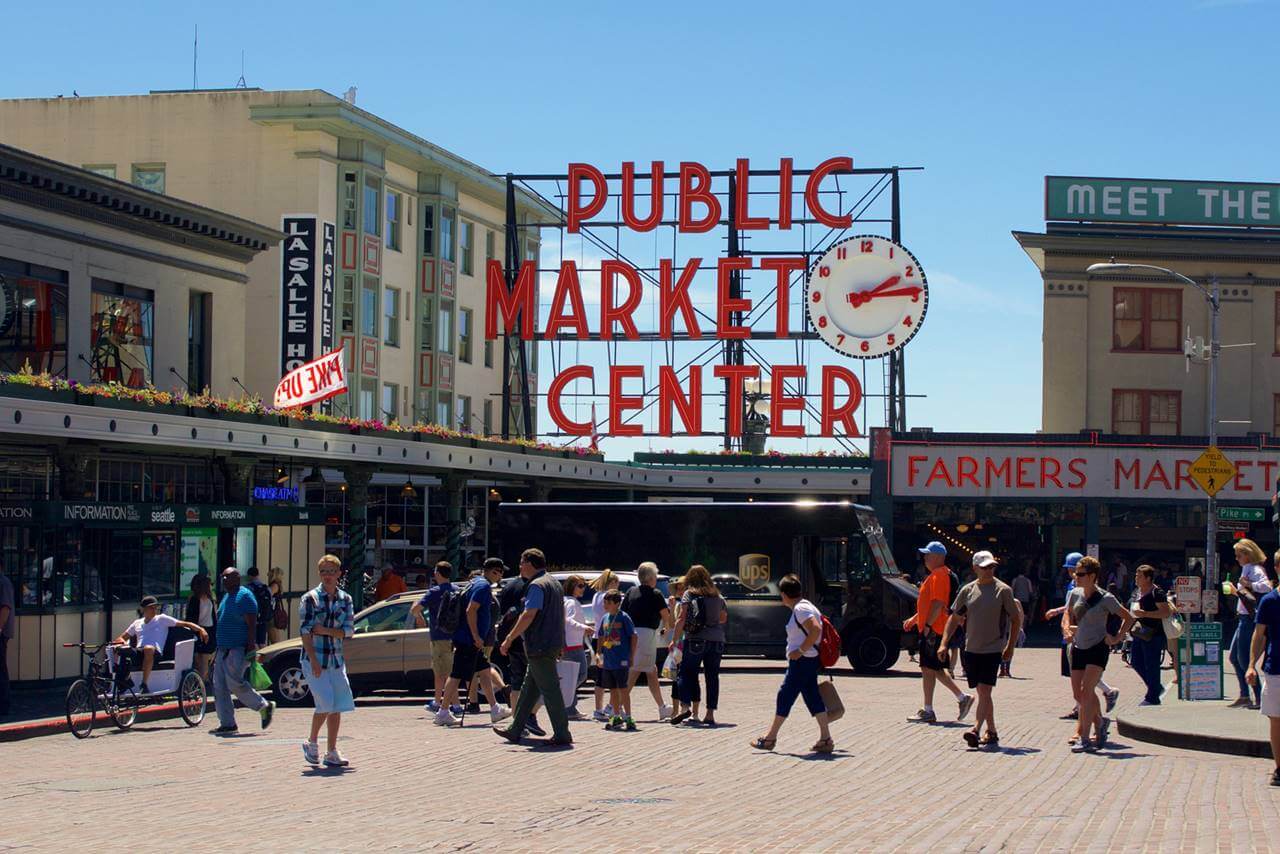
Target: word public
[[699, 209]]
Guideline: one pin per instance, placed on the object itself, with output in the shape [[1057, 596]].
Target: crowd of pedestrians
[[533, 633]]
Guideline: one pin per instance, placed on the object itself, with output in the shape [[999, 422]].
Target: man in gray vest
[[542, 627]]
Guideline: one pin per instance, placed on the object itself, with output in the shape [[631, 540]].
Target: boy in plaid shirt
[[326, 616]]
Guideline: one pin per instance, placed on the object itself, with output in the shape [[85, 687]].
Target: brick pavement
[[412, 786]]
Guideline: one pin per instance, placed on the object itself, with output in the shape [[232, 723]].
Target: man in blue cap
[[1108, 693], [930, 619]]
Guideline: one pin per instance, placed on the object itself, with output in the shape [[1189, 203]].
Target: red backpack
[[829, 647]]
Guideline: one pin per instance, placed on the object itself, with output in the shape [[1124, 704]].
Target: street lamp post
[[1211, 296]]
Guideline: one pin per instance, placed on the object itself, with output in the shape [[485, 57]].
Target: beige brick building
[[1113, 345], [413, 225]]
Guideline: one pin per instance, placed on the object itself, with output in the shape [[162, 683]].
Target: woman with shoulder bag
[[1250, 587], [703, 614], [1085, 620], [278, 628], [804, 633], [1149, 640]]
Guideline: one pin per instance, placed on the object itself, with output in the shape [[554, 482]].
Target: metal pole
[[1211, 528]]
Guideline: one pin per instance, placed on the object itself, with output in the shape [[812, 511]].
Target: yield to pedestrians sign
[[1212, 470]]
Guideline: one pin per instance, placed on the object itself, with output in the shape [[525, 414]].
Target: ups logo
[[753, 571]]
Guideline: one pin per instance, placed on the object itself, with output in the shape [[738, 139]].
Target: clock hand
[[886, 284], [858, 299]]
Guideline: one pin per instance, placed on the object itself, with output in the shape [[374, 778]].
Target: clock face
[[866, 297]]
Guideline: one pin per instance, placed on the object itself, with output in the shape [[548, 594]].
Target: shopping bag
[[567, 673], [258, 677], [831, 699]]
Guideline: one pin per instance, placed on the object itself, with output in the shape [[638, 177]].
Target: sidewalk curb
[[52, 726], [1256, 748]]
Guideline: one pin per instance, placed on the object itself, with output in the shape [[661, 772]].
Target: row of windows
[[121, 328], [148, 176], [1144, 412], [1149, 320]]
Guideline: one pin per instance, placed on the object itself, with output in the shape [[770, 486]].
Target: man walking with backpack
[[541, 625], [930, 620], [439, 604], [992, 620], [266, 610], [473, 614]]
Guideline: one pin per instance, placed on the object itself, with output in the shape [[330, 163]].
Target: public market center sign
[[861, 270], [1149, 200]]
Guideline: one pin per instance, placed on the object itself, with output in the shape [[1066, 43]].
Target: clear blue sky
[[988, 97]]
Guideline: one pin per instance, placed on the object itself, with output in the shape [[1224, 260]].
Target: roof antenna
[[240, 84], [195, 55]]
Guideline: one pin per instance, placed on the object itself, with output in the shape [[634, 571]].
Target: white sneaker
[[965, 703], [499, 713], [334, 759], [600, 715], [311, 752], [432, 706], [664, 712], [444, 717], [608, 710], [1111, 697]]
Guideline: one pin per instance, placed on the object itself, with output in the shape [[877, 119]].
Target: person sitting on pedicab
[[152, 631]]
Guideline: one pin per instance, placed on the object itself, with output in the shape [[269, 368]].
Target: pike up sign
[[312, 382], [865, 298]]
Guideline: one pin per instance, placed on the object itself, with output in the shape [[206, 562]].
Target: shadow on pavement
[[322, 771]]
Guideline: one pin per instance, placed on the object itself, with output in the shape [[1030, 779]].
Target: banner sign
[[298, 291], [312, 382], [1003, 471], [875, 290], [1149, 200], [327, 261]]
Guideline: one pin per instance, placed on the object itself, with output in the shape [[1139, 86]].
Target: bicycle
[[106, 688]]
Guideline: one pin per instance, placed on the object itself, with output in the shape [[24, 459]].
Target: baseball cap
[[148, 601], [984, 559], [1071, 560], [934, 548]]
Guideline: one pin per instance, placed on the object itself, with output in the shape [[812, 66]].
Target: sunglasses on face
[[1083, 574]]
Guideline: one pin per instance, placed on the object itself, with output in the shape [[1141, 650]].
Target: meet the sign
[[298, 291], [1089, 471], [1162, 202], [312, 382]]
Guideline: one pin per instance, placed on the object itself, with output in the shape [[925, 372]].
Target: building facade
[[1113, 350], [398, 231]]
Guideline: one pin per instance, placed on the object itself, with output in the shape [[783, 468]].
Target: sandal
[[990, 740], [763, 743], [971, 737], [824, 745], [679, 718]]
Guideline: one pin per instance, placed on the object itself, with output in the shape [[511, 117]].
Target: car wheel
[[289, 685], [873, 651]]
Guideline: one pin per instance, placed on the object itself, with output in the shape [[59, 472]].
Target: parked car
[[626, 580], [387, 651]]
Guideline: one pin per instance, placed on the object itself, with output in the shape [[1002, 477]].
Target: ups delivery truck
[[837, 549]]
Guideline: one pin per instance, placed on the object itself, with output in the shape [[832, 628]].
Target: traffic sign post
[[1212, 470], [1242, 514]]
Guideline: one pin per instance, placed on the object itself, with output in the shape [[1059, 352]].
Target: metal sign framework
[[551, 189]]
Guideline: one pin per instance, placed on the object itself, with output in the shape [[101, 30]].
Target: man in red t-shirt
[[930, 619]]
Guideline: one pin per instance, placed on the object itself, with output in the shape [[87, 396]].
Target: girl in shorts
[[1089, 648]]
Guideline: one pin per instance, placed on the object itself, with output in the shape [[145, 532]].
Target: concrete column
[[357, 478], [455, 500], [79, 288]]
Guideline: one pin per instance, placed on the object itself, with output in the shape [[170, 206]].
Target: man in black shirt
[[648, 610], [510, 606], [1144, 654]]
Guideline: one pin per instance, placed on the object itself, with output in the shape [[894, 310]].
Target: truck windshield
[[877, 544]]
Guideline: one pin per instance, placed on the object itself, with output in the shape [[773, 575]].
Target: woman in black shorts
[[1088, 607]]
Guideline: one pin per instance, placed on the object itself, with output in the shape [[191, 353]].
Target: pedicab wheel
[[80, 708], [124, 709], [193, 698]]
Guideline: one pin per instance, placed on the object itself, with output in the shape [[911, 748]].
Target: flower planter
[[28, 392]]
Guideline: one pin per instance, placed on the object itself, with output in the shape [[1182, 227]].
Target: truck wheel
[[874, 651]]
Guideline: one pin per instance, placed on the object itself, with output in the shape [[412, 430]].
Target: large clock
[[866, 297]]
